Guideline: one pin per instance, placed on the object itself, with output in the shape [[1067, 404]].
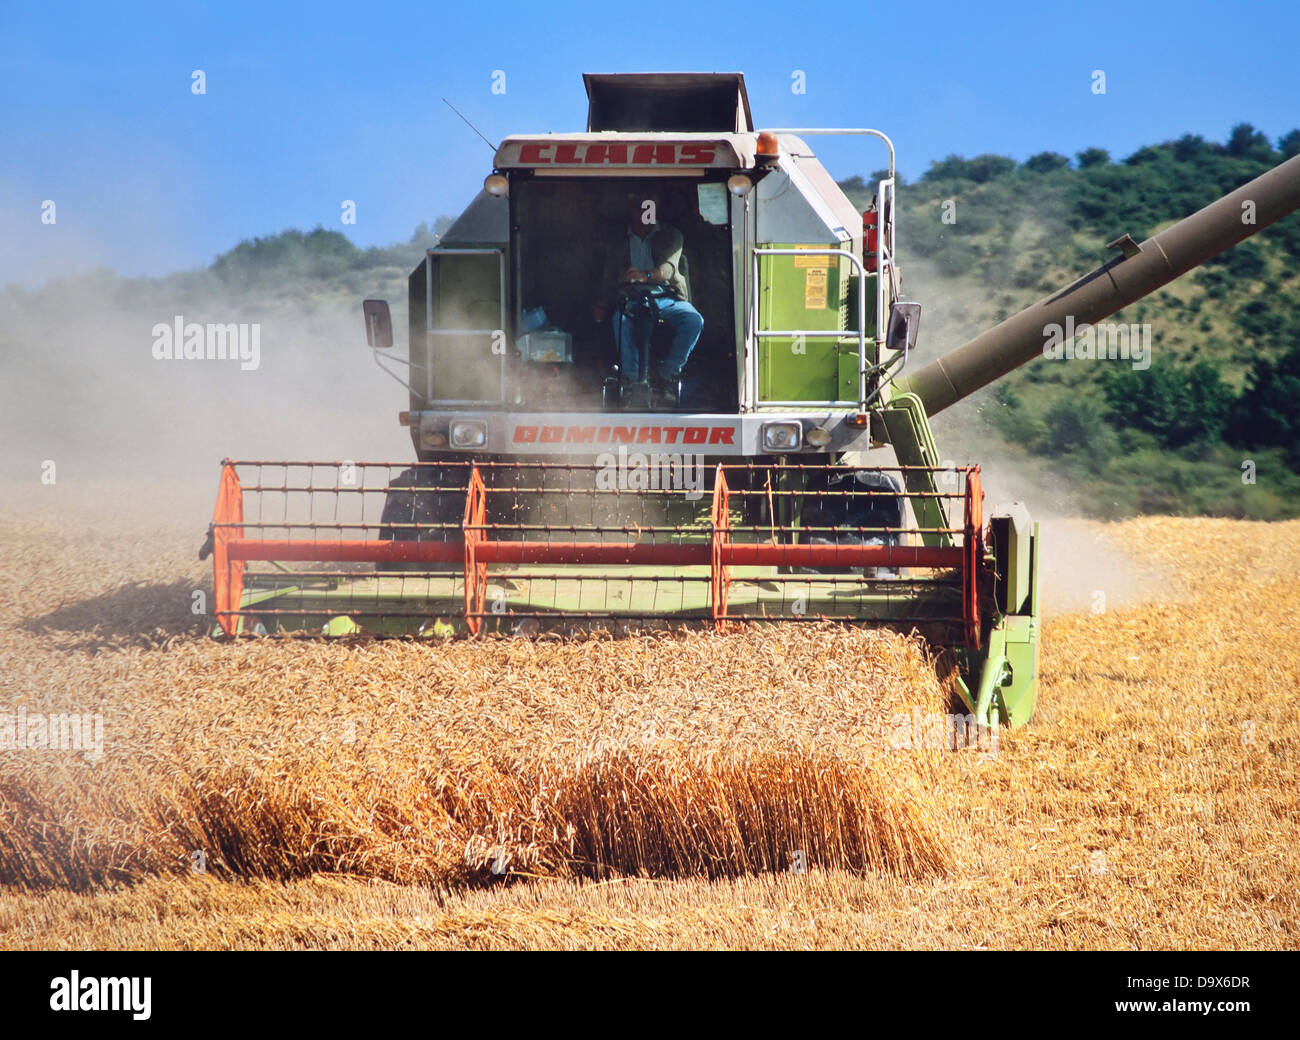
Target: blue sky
[[309, 104]]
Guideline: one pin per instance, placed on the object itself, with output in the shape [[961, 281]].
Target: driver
[[643, 274]]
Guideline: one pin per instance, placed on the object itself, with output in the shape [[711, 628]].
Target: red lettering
[[649, 154], [572, 153], [697, 154], [625, 434], [534, 153], [606, 153]]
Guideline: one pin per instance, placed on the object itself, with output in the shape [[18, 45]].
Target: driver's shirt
[[640, 256]]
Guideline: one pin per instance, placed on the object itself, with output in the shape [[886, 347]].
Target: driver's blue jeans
[[632, 335]]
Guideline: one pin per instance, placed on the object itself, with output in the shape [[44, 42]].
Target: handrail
[[863, 371], [885, 268], [843, 131]]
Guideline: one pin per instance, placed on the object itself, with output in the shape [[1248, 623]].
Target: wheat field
[[687, 790]]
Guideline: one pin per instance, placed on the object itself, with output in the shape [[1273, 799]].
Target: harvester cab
[[513, 317]]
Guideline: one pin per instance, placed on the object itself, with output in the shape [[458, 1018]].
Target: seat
[[610, 390]]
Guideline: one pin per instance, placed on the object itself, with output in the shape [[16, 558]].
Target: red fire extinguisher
[[869, 238]]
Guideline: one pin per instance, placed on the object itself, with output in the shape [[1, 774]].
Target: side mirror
[[904, 327], [379, 324]]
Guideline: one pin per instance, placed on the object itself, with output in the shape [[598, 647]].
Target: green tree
[[1091, 157], [1076, 428], [1266, 414], [1046, 162], [1191, 147], [1245, 142], [1179, 404], [984, 168], [315, 254]]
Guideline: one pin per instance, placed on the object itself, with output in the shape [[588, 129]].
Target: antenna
[[469, 124]]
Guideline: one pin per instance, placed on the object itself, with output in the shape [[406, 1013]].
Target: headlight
[[468, 433], [781, 436], [496, 184], [739, 185], [818, 437]]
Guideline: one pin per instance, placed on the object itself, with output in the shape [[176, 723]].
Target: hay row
[[655, 813]]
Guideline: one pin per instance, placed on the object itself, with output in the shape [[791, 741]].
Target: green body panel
[[1006, 690], [1018, 696], [849, 368], [1020, 572], [913, 442], [851, 310], [804, 293]]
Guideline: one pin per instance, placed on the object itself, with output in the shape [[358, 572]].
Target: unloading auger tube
[[1137, 272]]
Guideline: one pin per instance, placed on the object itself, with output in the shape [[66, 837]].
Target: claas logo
[[572, 154]]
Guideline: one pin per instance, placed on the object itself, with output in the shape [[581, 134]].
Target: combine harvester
[[790, 474]]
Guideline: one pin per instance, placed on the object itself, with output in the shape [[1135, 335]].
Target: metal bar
[[743, 554], [779, 333], [884, 262], [739, 554], [557, 466], [719, 574], [748, 391], [475, 568], [429, 265], [844, 132], [345, 550], [788, 405]]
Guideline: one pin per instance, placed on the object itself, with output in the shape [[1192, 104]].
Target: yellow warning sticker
[[811, 261], [814, 288]]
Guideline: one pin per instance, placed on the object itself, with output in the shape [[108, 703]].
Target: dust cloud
[[1079, 558], [84, 398]]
